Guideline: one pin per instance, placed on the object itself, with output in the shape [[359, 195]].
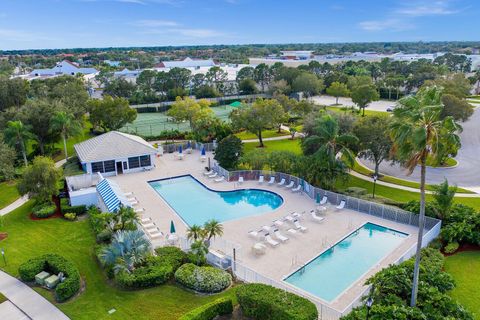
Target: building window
[[125, 166], [133, 163], [145, 161], [97, 166], [109, 166]]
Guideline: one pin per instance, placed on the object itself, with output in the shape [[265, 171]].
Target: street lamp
[[375, 177], [369, 304], [3, 256]]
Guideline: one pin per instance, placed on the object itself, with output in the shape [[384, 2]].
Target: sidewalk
[[27, 300]]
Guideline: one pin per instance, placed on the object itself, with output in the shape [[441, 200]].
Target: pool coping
[[212, 190], [284, 278]]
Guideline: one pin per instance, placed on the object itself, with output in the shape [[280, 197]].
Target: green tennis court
[[151, 124]]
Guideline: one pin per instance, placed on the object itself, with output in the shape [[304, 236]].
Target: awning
[[111, 195], [235, 104]]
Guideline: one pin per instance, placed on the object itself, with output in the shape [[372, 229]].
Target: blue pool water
[[332, 272], [196, 204]]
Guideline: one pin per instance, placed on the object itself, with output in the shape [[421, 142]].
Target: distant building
[[297, 55], [62, 68], [128, 74], [112, 63], [185, 63]]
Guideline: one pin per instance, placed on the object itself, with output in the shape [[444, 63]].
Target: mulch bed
[[57, 214], [463, 248], [3, 236]]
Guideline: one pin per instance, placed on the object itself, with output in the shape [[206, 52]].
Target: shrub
[[44, 210], [104, 236], [203, 279], [173, 255], [70, 216], [356, 191], [451, 247], [78, 210], [209, 311], [54, 264], [259, 301], [152, 274]]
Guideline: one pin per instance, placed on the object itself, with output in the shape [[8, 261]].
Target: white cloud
[[387, 24], [150, 23], [427, 8]]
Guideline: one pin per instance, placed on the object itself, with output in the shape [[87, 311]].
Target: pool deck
[[287, 257]]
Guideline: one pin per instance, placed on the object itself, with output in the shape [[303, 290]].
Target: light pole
[[375, 177], [3, 256], [369, 304]]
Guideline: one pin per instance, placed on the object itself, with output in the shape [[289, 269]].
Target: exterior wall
[[86, 197], [88, 166]]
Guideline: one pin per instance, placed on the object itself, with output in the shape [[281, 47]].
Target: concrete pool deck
[[287, 257]]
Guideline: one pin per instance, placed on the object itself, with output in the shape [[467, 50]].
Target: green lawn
[[75, 241], [276, 145], [9, 193], [367, 172], [349, 110], [245, 135], [465, 269], [2, 298]]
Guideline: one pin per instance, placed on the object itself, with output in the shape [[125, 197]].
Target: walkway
[[27, 300]]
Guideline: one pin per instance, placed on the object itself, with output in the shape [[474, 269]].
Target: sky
[[35, 24]]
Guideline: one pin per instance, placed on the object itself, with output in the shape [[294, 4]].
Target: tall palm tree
[[418, 132], [195, 232], [212, 229], [16, 133], [68, 126]]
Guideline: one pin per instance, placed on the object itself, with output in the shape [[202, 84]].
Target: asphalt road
[[380, 105]]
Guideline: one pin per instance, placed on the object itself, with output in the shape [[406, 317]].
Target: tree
[[186, 109], [179, 78], [17, 134], [444, 195], [229, 151], [146, 80], [455, 62], [245, 73], [457, 108], [119, 88], [195, 232], [363, 95], [212, 228], [263, 114], [68, 126], [280, 87], [262, 75], [199, 250], [375, 142], [418, 132], [13, 92], [307, 83], [127, 250], [454, 84], [338, 89], [40, 179], [111, 113], [247, 86], [7, 161], [255, 159], [216, 76]]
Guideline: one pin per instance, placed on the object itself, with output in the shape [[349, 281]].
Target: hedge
[[78, 210], [263, 302], [53, 263], [203, 279], [175, 256], [209, 311], [44, 210]]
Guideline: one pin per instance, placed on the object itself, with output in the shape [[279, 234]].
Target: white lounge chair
[[315, 217], [240, 180], [280, 236], [188, 150], [139, 210], [203, 158], [259, 248], [341, 205], [278, 223], [321, 209], [272, 180], [270, 241], [297, 188], [128, 194], [213, 175], [179, 156], [260, 179], [290, 185], [281, 183], [220, 179], [254, 234], [146, 220], [133, 202], [292, 231], [299, 226], [266, 228], [323, 201], [207, 173]]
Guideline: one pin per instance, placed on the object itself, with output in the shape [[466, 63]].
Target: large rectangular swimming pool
[[336, 269], [196, 204]]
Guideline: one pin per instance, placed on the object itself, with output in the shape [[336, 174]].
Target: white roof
[[188, 62], [112, 145]]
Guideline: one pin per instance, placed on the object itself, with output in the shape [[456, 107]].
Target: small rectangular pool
[[336, 269], [196, 204]]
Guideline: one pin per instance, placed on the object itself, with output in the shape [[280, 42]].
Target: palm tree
[[418, 132], [212, 229], [16, 133], [199, 249], [444, 195], [126, 217], [195, 232], [127, 250], [68, 126]]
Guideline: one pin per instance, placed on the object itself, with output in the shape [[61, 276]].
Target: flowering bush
[[203, 279]]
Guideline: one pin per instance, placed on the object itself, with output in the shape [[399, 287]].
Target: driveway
[[380, 105], [466, 174]]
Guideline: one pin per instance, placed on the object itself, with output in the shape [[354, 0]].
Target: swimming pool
[[336, 269], [196, 204]]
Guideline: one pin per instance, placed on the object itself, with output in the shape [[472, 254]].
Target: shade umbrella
[[188, 144], [180, 149], [203, 151], [172, 227], [318, 198]]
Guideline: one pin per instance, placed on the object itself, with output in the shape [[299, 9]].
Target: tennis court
[[151, 124]]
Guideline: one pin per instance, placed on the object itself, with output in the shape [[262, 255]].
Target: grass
[[2, 298], [276, 145], [464, 267], [245, 135], [9, 193], [75, 241], [355, 112], [367, 172], [450, 162]]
